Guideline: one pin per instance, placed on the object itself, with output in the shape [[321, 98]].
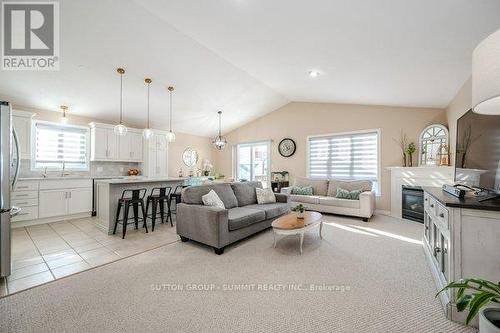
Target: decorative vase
[[300, 215], [206, 173], [489, 320], [410, 160], [404, 160]]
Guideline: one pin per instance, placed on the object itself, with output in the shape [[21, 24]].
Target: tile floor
[[51, 251]]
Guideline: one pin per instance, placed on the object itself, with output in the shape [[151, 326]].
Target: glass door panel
[[253, 161]]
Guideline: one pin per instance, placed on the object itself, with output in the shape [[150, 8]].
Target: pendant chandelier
[[121, 129], [219, 141], [147, 132], [64, 109], [170, 134]]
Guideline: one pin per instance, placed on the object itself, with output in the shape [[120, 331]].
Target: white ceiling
[[249, 57]]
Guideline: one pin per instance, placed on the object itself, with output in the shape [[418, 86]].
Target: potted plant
[[483, 292], [409, 151], [299, 210]]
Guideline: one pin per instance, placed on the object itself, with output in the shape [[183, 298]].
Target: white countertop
[[77, 177], [139, 179]]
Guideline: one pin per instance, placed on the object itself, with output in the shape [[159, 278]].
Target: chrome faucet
[[44, 174], [63, 169]]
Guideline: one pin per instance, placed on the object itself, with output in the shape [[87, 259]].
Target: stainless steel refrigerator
[[9, 171]]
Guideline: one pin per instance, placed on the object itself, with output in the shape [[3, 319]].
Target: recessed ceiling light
[[314, 73]]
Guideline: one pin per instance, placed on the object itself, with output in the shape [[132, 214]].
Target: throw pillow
[[306, 190], [265, 196], [350, 195], [212, 199]]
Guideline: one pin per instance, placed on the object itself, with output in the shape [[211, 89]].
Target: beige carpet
[[387, 287]]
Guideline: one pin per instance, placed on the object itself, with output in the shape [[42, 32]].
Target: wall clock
[[287, 147]]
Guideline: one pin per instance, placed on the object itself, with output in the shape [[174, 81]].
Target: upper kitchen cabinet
[[156, 155], [21, 121], [107, 146]]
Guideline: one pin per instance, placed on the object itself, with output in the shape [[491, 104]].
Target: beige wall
[[298, 120], [183, 140], [199, 143], [459, 105]]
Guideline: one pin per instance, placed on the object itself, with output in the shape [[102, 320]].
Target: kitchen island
[[110, 190]]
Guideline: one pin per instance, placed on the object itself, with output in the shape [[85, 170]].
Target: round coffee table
[[290, 224]]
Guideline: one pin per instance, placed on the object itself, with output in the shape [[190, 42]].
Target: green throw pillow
[[345, 194], [307, 190]]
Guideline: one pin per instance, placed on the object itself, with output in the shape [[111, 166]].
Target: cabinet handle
[[441, 215], [21, 195], [69, 194], [426, 199], [437, 250], [22, 203], [426, 227], [432, 205], [18, 187]]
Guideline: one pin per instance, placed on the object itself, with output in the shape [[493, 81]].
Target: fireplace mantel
[[416, 176]]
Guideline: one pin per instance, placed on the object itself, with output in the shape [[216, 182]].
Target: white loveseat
[[323, 199]]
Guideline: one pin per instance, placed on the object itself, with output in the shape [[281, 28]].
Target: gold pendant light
[[170, 134], [147, 132], [121, 129]]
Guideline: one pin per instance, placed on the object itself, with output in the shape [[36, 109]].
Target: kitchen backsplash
[[97, 169]]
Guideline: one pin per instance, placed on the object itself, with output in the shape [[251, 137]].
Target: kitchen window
[[253, 162], [353, 155], [57, 144]]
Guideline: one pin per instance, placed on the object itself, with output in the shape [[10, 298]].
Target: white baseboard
[[29, 223], [382, 212]]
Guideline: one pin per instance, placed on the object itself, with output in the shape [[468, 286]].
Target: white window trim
[[379, 155], [33, 145], [250, 143]]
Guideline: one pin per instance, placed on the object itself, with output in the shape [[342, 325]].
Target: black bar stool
[[175, 196], [158, 196], [134, 198]]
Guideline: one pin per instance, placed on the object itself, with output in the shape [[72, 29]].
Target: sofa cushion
[[265, 196], [344, 203], [308, 190], [312, 199], [213, 200], [192, 195], [245, 192], [272, 210], [349, 185], [320, 187], [345, 194], [240, 217]]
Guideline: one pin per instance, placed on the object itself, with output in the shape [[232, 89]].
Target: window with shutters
[[57, 144], [353, 155]]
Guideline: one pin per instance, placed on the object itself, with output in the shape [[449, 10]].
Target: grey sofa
[[218, 227]]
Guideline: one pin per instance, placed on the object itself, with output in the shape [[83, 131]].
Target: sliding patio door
[[253, 162]]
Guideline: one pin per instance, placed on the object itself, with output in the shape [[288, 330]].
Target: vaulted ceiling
[[249, 57]]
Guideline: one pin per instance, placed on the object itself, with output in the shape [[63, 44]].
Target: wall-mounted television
[[477, 157]]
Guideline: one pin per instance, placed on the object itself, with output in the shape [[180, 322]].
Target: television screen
[[477, 158]]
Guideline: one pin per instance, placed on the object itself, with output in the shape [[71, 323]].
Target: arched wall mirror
[[190, 157], [434, 146]]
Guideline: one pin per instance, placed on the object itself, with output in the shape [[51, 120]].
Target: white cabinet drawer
[[56, 184], [430, 205], [26, 213], [24, 195], [442, 215], [26, 186], [25, 202]]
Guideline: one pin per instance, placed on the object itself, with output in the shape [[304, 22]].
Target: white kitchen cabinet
[[156, 155], [52, 203], [80, 201], [107, 146], [21, 121], [131, 146]]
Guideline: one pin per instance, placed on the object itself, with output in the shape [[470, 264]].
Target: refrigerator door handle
[[18, 159]]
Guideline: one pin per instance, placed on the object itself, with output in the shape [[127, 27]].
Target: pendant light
[[64, 109], [121, 129], [170, 134], [486, 76], [147, 132], [219, 141]]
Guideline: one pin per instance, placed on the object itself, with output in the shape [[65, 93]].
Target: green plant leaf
[[476, 304], [463, 302]]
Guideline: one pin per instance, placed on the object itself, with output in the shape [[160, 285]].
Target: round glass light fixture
[[486, 76], [314, 73], [121, 129], [219, 141], [171, 136], [147, 132], [64, 109]]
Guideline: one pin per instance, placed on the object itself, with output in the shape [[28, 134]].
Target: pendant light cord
[[121, 97], [170, 110], [148, 105], [220, 123]]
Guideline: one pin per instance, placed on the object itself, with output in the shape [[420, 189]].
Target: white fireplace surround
[[416, 176]]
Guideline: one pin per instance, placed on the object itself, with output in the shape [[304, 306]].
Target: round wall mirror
[[190, 157], [433, 145]]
